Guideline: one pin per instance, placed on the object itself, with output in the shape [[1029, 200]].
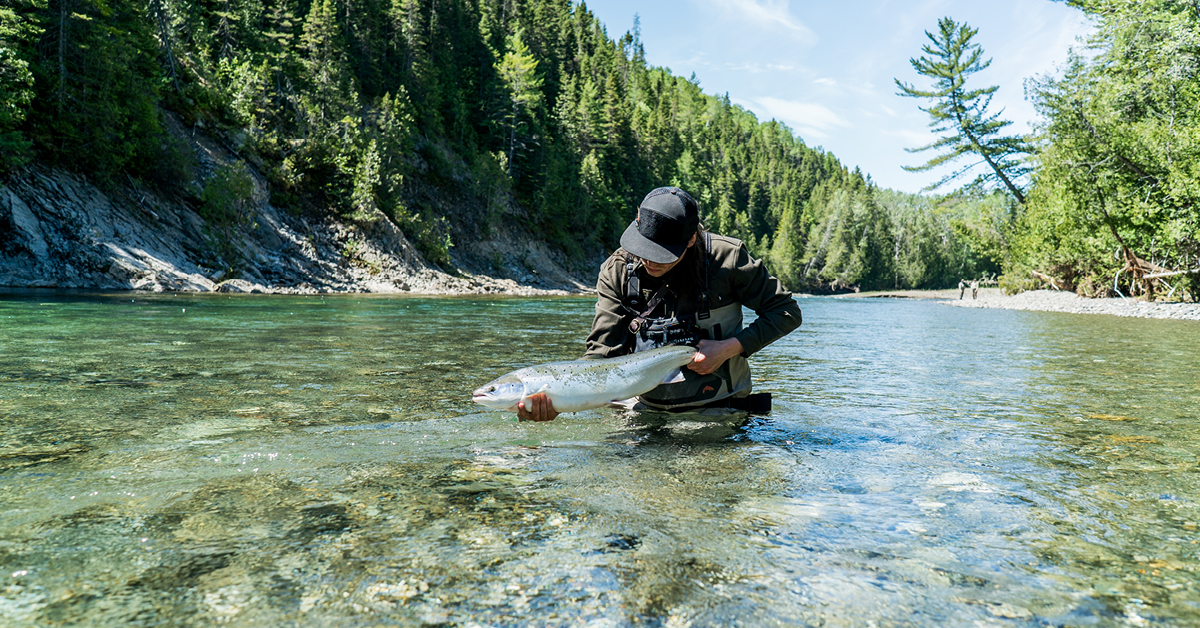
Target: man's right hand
[[536, 408]]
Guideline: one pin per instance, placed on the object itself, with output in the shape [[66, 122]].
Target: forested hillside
[[350, 105]]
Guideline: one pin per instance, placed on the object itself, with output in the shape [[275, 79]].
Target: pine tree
[[519, 71], [962, 113], [326, 63], [18, 32]]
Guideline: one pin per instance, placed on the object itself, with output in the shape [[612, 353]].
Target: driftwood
[[1046, 278], [1143, 275], [1172, 273]]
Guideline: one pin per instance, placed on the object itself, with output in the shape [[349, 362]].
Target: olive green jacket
[[734, 280]]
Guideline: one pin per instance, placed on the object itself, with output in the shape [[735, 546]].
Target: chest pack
[[651, 332], [677, 324]]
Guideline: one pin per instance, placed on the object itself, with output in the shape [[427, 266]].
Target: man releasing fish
[[584, 384], [671, 283]]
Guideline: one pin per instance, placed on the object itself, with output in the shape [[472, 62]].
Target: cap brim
[[634, 242]]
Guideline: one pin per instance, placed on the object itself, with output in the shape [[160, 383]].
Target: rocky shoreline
[[1053, 301], [60, 230], [1058, 301]]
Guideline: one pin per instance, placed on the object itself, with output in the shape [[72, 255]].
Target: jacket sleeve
[[610, 331], [778, 313]]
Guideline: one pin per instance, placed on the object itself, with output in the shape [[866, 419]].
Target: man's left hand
[[711, 354]]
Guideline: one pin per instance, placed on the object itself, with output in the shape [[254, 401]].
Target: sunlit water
[[272, 461]]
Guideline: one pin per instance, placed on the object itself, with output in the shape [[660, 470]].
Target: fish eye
[[491, 389]]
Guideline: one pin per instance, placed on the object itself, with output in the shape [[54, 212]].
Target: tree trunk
[[62, 43], [164, 36], [983, 153]]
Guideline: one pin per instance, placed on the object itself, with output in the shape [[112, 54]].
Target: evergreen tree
[[18, 32], [96, 88], [962, 113], [519, 71], [326, 64]]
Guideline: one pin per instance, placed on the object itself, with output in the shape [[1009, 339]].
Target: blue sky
[[826, 69]]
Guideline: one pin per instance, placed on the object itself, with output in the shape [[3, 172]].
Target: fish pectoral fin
[[674, 377], [538, 391]]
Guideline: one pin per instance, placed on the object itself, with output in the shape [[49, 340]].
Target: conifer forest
[[347, 106]]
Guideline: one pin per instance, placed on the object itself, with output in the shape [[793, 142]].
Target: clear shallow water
[[265, 461]]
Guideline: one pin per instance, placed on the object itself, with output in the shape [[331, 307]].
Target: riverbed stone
[[1069, 302], [240, 286]]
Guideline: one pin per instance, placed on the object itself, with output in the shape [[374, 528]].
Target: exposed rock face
[[59, 230]]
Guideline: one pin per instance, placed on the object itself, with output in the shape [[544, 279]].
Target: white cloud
[[758, 68], [912, 139], [809, 120], [826, 81], [767, 13]]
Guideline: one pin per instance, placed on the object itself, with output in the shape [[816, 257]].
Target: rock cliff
[[61, 230]]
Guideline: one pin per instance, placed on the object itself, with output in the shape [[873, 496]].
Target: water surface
[[197, 460]]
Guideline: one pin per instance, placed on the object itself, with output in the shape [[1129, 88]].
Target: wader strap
[[702, 313], [640, 319]]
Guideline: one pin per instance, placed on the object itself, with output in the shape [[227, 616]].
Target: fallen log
[[1172, 273], [1140, 272], [1046, 278]]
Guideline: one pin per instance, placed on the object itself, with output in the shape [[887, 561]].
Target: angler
[[672, 282]]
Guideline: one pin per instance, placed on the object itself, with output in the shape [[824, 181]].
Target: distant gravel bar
[[1052, 301]]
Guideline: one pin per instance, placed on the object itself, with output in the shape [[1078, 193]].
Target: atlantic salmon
[[578, 385]]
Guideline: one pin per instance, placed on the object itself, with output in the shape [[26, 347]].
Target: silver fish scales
[[584, 384]]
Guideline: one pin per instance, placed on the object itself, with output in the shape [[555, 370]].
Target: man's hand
[[536, 408], [711, 354]]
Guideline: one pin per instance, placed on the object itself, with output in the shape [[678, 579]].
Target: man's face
[[658, 270], [655, 269]]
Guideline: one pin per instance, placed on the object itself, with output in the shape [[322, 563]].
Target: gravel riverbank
[[1051, 301]]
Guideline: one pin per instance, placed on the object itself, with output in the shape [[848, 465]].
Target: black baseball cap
[[667, 219]]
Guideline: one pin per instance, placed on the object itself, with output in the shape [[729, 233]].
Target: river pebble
[[1053, 301]]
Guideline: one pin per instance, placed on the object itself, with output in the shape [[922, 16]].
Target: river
[[199, 460]]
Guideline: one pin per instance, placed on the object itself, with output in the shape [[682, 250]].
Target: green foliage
[[96, 85], [853, 239], [226, 203], [18, 32], [961, 113], [520, 115], [1117, 170], [518, 70], [227, 196]]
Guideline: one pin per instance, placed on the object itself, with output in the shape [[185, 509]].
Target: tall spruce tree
[[519, 71], [962, 113], [18, 32]]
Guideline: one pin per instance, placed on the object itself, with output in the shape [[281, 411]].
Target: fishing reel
[[652, 333]]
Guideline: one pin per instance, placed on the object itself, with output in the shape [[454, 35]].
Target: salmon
[[584, 384]]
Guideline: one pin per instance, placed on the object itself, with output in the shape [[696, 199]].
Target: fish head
[[500, 394]]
